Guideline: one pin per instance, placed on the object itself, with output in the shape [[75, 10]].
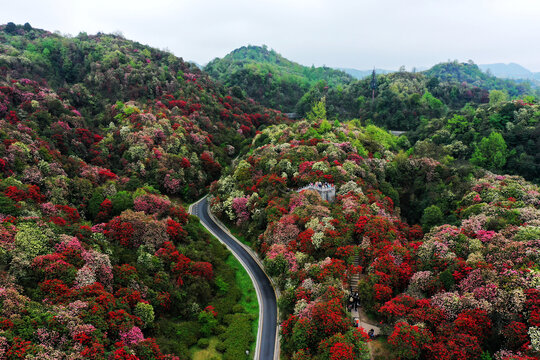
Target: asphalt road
[[267, 335]]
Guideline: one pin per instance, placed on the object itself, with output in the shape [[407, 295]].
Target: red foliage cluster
[[32, 192], [107, 174], [175, 231], [120, 231]]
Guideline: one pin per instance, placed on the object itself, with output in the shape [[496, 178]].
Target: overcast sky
[[338, 33]]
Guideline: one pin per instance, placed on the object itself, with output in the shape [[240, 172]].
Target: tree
[[318, 111], [145, 312], [10, 28], [432, 216], [497, 96], [121, 201], [491, 153]]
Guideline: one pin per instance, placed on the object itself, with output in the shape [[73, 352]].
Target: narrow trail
[[363, 320]]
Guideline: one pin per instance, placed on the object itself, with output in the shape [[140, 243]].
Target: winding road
[[266, 348]]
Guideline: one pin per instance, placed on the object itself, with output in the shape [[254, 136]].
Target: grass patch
[[239, 337], [248, 299], [379, 349], [210, 353], [249, 295]]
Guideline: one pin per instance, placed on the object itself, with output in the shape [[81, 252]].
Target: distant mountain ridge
[[360, 74], [501, 70], [510, 71]]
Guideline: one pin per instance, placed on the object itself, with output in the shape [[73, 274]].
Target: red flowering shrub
[[352, 345], [329, 318], [176, 232], [341, 351], [473, 322], [119, 231], [202, 269], [184, 163], [55, 290], [94, 352], [14, 193], [20, 349], [147, 349], [408, 341], [179, 214], [105, 210], [120, 320], [304, 241], [516, 335], [382, 292], [454, 347], [122, 354], [106, 174]]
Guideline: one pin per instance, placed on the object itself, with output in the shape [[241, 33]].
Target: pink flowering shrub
[[240, 209], [152, 204], [280, 249], [132, 337]]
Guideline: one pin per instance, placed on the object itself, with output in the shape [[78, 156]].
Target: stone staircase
[[359, 313], [356, 277]]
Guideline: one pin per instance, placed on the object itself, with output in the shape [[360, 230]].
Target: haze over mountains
[[501, 70]]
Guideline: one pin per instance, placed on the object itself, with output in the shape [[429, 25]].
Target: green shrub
[[145, 312], [238, 337], [447, 279], [203, 343], [528, 233], [238, 309]]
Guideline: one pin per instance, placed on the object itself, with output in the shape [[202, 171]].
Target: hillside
[[102, 140], [465, 288], [269, 78]]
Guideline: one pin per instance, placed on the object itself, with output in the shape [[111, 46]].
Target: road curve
[[267, 333]]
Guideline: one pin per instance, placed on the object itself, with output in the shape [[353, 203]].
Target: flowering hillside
[[459, 291], [96, 261]]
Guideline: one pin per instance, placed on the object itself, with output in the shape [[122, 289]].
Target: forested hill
[[470, 73], [111, 83], [269, 78], [101, 139]]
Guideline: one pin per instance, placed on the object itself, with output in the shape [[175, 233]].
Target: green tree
[[208, 323], [121, 201], [10, 28], [491, 153], [318, 111], [497, 96], [432, 216], [145, 312]]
